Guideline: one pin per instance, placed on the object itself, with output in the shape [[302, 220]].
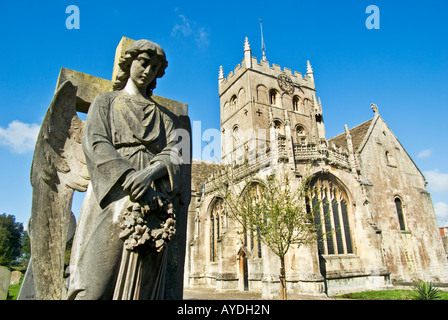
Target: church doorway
[[243, 282]]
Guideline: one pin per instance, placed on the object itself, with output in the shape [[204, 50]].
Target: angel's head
[[143, 63]]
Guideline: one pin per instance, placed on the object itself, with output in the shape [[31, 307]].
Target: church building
[[272, 123]]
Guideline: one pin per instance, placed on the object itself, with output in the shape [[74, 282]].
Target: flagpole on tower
[[263, 48]]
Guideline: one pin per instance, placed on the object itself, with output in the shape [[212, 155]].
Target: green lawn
[[13, 292], [388, 295]]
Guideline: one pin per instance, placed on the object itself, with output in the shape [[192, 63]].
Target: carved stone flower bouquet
[[148, 228]]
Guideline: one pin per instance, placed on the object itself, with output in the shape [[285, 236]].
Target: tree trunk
[[283, 279]]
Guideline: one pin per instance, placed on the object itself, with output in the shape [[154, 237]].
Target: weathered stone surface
[[124, 44], [27, 291], [88, 87], [176, 107], [5, 277]]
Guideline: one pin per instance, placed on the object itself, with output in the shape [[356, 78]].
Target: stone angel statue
[[130, 237]]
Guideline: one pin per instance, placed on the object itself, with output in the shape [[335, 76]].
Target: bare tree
[[280, 215]]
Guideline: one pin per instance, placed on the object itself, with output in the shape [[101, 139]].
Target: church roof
[[201, 170], [358, 134]]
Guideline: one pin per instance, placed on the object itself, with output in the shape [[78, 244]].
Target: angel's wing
[[58, 154], [58, 169]]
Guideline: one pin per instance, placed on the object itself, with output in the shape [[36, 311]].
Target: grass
[[387, 295], [13, 292]]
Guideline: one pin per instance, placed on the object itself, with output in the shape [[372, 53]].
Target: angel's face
[[144, 69]]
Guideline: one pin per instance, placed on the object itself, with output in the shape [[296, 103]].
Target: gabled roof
[[201, 170], [358, 134]]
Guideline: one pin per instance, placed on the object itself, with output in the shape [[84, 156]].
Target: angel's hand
[[137, 183]]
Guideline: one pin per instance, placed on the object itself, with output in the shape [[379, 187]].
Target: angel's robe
[[122, 134]]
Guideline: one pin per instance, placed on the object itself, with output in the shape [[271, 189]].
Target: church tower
[[259, 102], [371, 200]]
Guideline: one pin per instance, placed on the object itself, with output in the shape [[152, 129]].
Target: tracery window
[[331, 206], [218, 223]]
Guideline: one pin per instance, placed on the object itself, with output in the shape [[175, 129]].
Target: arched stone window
[[218, 223], [399, 208], [300, 134], [213, 240], [273, 97], [235, 136], [332, 212], [295, 103], [233, 102], [278, 126]]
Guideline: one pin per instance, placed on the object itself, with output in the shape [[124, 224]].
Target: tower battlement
[[266, 68]]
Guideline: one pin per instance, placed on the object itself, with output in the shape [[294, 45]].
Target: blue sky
[[402, 67]]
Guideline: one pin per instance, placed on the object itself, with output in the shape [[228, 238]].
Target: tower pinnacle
[[221, 74], [246, 45], [309, 69], [247, 53]]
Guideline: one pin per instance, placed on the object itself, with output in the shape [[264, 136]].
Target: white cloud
[[20, 137], [426, 153], [441, 209], [437, 181], [188, 28]]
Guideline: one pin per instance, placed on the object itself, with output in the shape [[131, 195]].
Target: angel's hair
[[134, 50]]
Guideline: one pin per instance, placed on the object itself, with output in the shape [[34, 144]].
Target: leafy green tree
[[25, 253], [11, 233]]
